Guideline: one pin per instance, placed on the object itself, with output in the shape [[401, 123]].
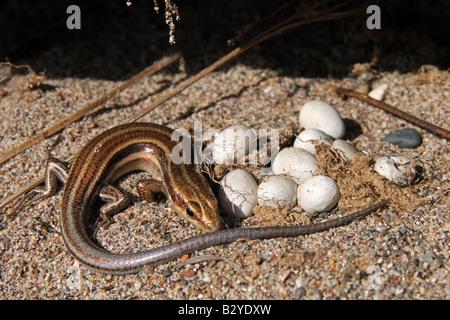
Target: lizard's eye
[[192, 209], [190, 213]]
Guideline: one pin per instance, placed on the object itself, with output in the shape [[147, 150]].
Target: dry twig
[[80, 113], [396, 112]]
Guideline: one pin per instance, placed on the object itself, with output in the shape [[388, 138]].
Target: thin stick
[[80, 113], [396, 112], [23, 190], [258, 39]]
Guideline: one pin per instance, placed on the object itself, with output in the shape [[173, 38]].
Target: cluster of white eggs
[[294, 177]]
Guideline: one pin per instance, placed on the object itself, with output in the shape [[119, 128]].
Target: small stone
[[379, 92], [184, 257], [447, 288], [188, 274], [405, 138], [425, 258], [362, 88], [419, 249], [435, 264], [299, 293], [316, 294], [166, 273], [373, 268]]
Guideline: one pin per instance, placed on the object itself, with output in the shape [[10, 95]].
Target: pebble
[[167, 273], [299, 293], [237, 195], [404, 138], [276, 191], [309, 138], [316, 294], [188, 273], [425, 258], [379, 92], [321, 115], [296, 163], [435, 264]]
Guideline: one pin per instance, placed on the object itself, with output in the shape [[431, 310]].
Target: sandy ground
[[401, 252]]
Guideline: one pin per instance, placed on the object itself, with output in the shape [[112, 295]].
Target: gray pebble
[[425, 258], [167, 273], [316, 294], [299, 293], [435, 264], [405, 138]]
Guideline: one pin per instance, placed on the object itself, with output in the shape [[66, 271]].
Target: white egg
[[318, 194], [237, 195], [400, 170], [320, 115], [276, 191], [344, 149], [233, 144], [297, 163], [379, 92], [309, 138]]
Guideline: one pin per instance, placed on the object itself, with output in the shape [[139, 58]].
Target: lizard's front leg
[[56, 170], [117, 200]]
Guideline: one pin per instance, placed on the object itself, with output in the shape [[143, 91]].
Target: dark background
[[117, 41]]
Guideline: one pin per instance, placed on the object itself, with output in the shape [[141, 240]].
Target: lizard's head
[[198, 205]]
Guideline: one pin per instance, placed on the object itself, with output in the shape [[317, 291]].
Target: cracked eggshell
[[233, 143], [297, 163], [237, 194], [318, 194], [321, 115], [277, 191], [309, 138], [400, 170]]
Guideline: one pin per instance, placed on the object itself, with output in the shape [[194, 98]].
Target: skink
[[147, 147]]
